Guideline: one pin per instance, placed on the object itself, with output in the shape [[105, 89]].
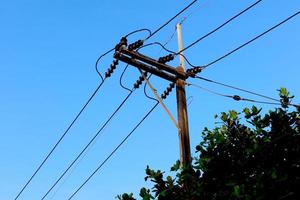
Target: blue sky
[[48, 50]]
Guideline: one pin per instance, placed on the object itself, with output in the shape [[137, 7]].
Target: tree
[[258, 160]]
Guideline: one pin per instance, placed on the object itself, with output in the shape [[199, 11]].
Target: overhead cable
[[236, 88], [115, 150], [63, 135], [234, 97], [252, 40], [81, 153], [170, 20], [219, 27]]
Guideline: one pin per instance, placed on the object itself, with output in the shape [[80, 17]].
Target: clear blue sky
[[47, 55]]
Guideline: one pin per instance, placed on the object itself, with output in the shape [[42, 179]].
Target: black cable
[[139, 30], [165, 24], [97, 62], [87, 145], [170, 51], [219, 27], [95, 136], [121, 77], [252, 40], [236, 88], [113, 152], [64, 134], [234, 97]]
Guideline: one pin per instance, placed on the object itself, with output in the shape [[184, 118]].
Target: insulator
[[116, 62], [112, 66], [135, 45], [163, 96], [107, 74], [172, 85], [166, 59], [123, 42], [237, 98], [136, 85], [169, 89]]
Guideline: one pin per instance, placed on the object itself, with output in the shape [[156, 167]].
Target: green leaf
[[233, 115]]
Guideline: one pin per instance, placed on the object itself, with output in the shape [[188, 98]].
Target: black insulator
[[135, 45], [107, 74], [172, 85], [237, 98], [136, 85], [193, 71], [123, 42], [163, 96], [116, 62], [112, 66], [166, 59]]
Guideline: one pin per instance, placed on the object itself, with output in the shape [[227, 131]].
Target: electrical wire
[[114, 151], [246, 91], [97, 62], [64, 133], [219, 27], [170, 20], [236, 88], [139, 30], [252, 40], [93, 138], [234, 97]]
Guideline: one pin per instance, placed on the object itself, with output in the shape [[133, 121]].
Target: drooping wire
[[64, 133], [236, 88], [109, 51], [97, 62], [91, 142], [121, 78], [252, 40], [219, 27], [139, 30], [170, 20], [172, 52], [234, 97]]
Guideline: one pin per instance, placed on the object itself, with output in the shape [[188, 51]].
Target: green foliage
[[258, 161]]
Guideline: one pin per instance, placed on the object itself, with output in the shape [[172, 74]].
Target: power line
[[236, 88], [170, 20], [219, 27], [59, 141], [87, 145], [94, 137], [234, 97], [77, 116], [252, 40], [113, 152]]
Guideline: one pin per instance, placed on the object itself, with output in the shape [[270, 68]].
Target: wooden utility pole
[[184, 138]]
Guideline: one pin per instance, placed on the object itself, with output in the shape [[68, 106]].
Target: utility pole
[[176, 76], [184, 138]]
